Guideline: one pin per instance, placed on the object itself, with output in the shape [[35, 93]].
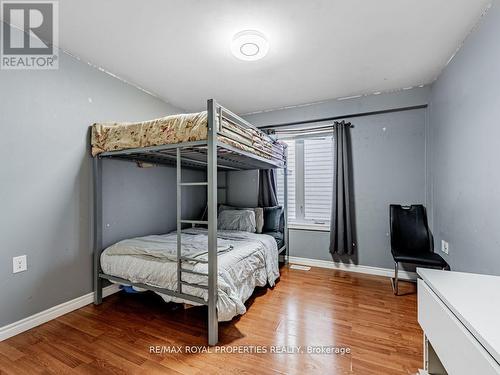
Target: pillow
[[242, 220], [223, 207], [259, 219], [259, 215], [272, 218]]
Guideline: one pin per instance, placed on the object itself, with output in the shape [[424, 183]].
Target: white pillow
[[242, 220], [259, 219], [259, 215]]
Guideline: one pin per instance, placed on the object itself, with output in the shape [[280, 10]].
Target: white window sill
[[309, 226]]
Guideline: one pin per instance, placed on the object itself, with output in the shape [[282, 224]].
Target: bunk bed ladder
[[211, 221], [180, 221]]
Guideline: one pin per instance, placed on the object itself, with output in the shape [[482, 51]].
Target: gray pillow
[[259, 215], [242, 220], [272, 218]]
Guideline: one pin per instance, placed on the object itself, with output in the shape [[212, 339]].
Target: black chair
[[411, 239]]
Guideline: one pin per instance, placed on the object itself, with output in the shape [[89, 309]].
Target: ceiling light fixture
[[249, 45]]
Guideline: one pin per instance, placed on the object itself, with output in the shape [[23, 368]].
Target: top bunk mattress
[[180, 128]]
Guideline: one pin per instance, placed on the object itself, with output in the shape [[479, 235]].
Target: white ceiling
[[319, 49]]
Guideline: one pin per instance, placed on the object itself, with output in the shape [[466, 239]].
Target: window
[[310, 179], [318, 179]]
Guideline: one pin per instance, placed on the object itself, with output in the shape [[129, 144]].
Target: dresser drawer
[[456, 347]]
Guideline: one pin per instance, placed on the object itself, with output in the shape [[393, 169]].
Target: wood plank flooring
[[317, 308]]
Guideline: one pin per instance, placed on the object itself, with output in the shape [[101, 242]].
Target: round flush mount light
[[249, 45]]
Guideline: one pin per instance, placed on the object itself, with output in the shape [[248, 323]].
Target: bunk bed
[[213, 140]]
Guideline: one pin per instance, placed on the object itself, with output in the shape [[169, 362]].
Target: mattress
[[245, 260], [114, 136]]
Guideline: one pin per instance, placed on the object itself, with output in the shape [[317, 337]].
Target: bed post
[[178, 167], [285, 208], [97, 224], [213, 323]]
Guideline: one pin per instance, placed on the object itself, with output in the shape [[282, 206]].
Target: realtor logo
[[30, 35]]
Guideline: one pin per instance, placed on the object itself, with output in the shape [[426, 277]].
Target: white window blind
[[291, 181], [310, 179], [318, 179]]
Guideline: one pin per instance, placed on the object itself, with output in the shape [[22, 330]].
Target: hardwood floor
[[317, 308]]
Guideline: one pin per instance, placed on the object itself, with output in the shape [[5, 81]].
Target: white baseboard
[[52, 313], [350, 267]]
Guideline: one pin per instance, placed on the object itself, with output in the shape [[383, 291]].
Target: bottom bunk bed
[[245, 260]]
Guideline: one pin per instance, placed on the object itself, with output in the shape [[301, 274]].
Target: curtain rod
[[363, 114], [318, 129]]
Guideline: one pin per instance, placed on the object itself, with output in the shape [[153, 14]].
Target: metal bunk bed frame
[[212, 155]]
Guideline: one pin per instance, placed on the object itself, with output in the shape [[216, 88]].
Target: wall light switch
[[445, 247], [19, 264]]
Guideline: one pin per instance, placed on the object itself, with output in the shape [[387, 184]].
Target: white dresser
[[460, 316]]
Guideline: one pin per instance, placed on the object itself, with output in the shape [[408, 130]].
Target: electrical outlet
[[445, 247], [19, 264]]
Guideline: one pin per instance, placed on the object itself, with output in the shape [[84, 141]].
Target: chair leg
[[395, 280]]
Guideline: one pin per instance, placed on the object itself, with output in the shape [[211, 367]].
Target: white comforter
[[245, 260]]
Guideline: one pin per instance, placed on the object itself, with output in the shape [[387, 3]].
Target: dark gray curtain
[[341, 225], [268, 188]]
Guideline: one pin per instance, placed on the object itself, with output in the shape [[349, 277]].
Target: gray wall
[[389, 166], [243, 188], [465, 150], [141, 201], [46, 182]]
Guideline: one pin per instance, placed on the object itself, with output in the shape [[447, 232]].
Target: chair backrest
[[409, 229]]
